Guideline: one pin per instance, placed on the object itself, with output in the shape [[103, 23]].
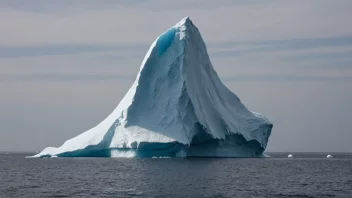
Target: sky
[[65, 65]]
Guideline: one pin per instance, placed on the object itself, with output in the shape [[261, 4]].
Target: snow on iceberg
[[176, 107]]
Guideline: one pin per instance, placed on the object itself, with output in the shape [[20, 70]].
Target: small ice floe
[[290, 155], [329, 156]]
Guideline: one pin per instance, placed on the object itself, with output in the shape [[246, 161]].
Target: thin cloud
[[80, 77]]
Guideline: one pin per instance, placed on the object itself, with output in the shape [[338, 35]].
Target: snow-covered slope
[[177, 106]]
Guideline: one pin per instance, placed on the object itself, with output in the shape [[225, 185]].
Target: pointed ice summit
[[176, 107]]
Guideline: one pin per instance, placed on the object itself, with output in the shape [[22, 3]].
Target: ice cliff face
[[177, 106]]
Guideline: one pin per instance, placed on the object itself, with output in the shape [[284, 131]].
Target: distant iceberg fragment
[[329, 156], [290, 155], [177, 107]]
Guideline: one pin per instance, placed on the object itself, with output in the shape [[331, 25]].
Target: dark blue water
[[306, 175]]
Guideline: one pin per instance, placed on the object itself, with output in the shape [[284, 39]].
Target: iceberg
[[176, 107]]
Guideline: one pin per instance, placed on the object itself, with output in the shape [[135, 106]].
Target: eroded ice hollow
[[176, 107]]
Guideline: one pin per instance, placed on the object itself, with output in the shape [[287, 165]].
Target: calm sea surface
[[305, 175]]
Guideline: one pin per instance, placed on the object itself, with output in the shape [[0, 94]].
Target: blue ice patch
[[165, 40]]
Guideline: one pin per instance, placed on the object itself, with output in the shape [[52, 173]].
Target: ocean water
[[305, 175]]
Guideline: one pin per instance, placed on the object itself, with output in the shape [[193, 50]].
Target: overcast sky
[[65, 65]]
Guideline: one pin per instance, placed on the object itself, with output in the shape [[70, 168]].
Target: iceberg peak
[[176, 107], [185, 22]]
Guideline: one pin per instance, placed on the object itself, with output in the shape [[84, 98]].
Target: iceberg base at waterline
[[232, 146]]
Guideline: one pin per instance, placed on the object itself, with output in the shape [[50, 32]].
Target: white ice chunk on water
[[176, 107]]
